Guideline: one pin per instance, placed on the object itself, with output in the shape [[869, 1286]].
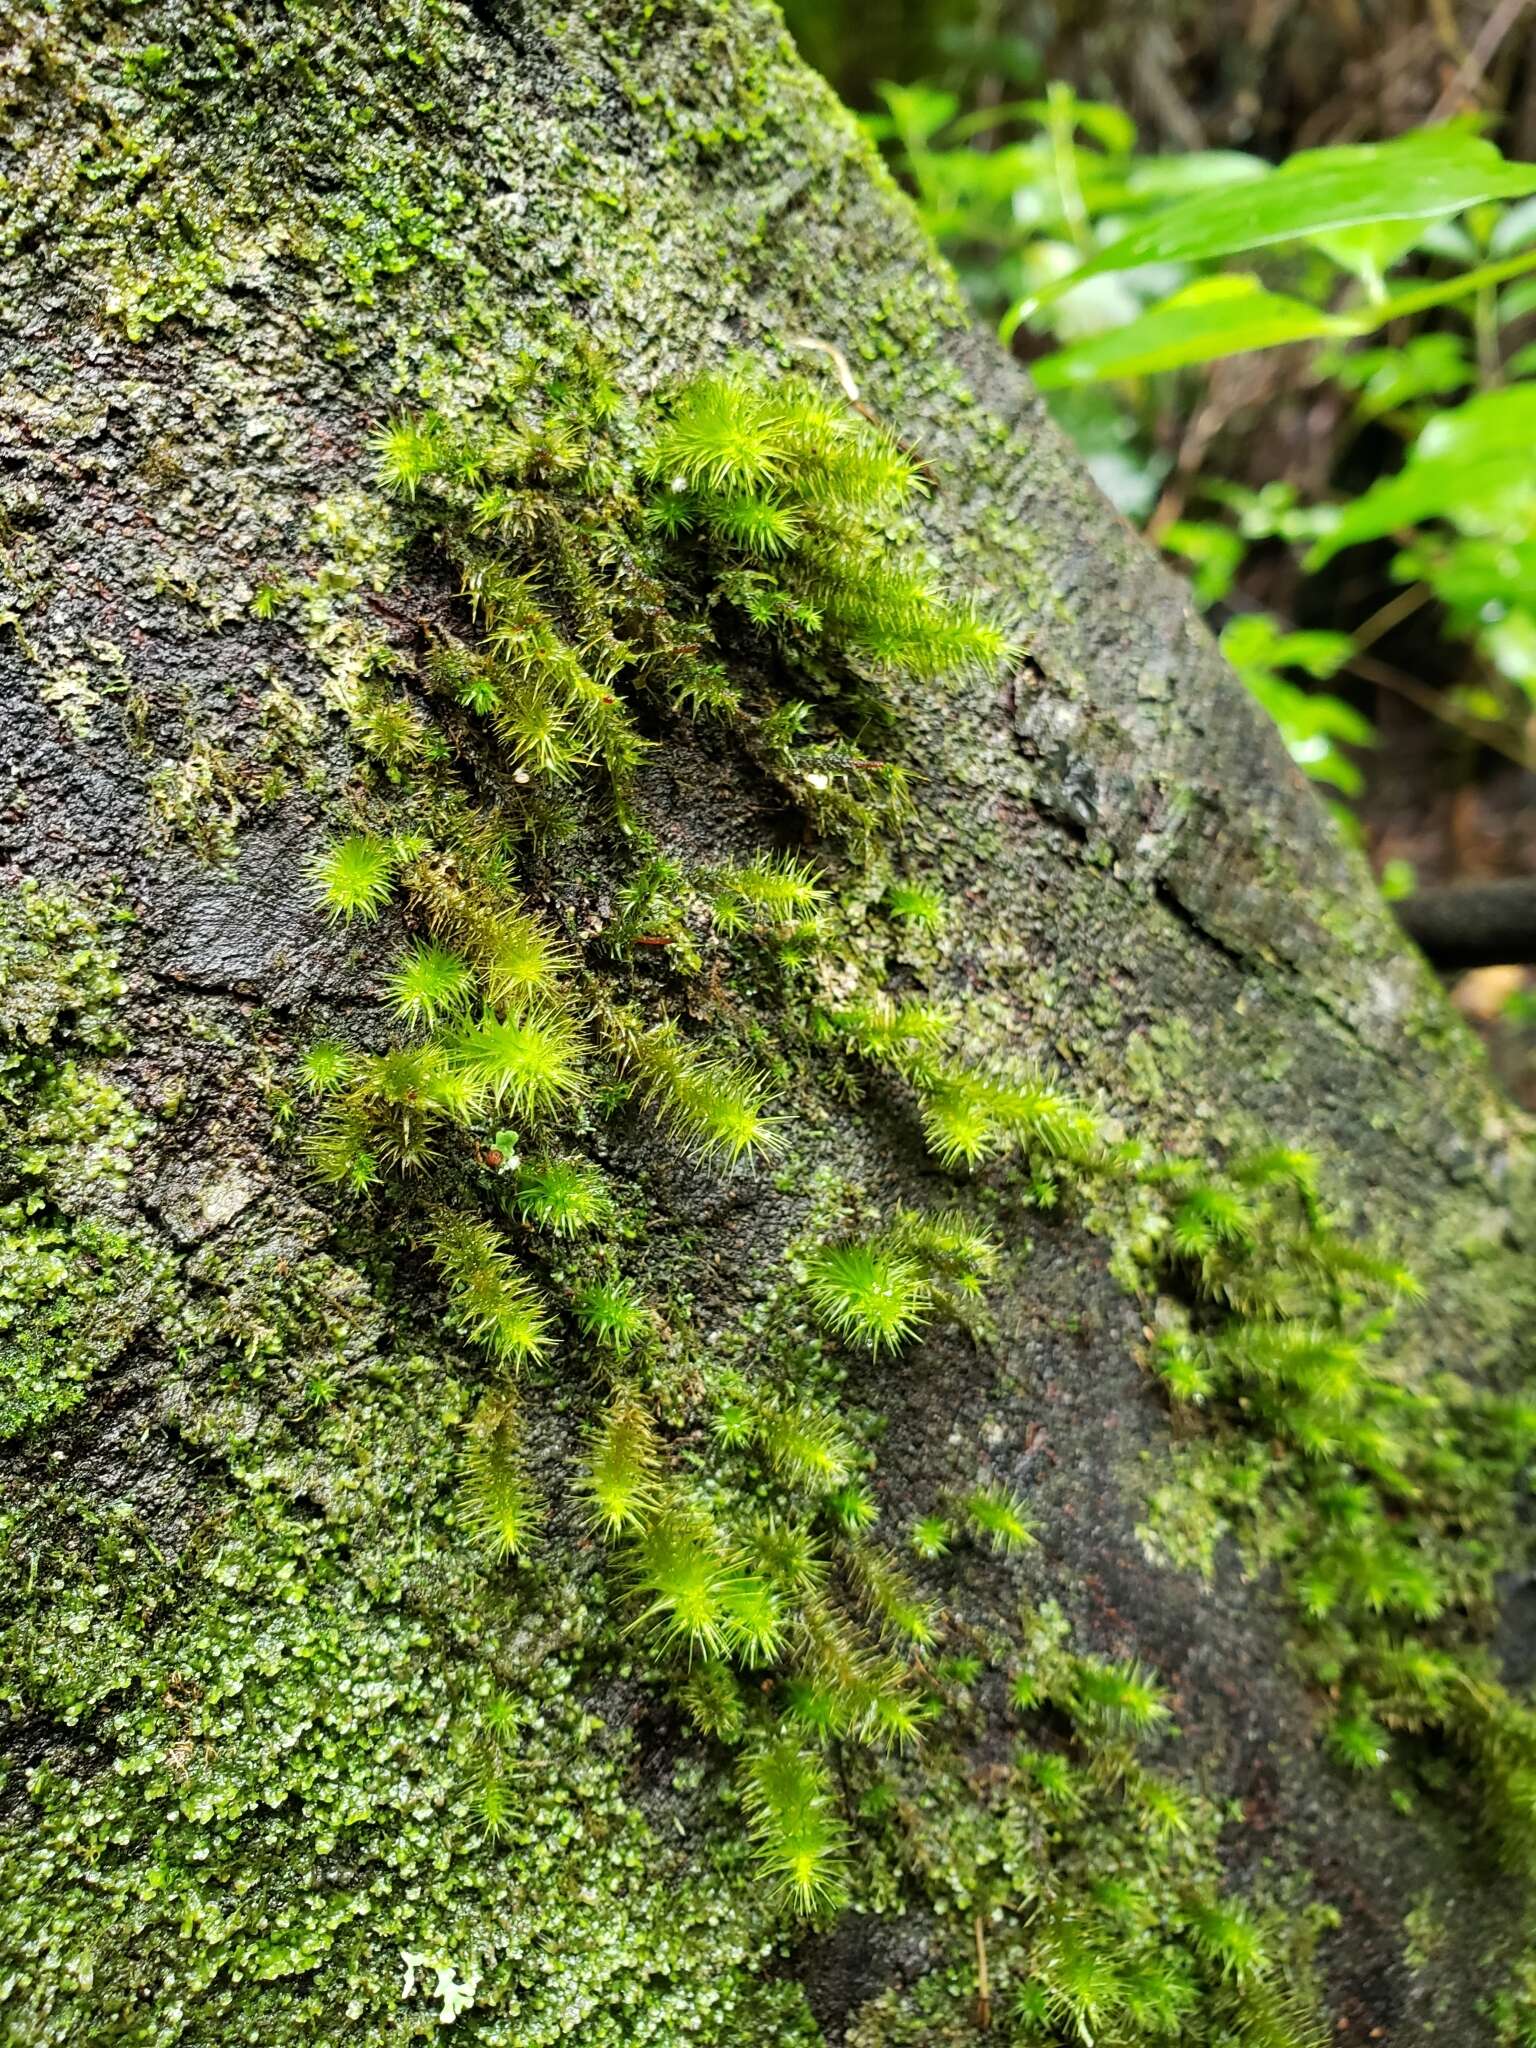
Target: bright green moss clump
[[751, 529], [1084, 1886], [740, 534]]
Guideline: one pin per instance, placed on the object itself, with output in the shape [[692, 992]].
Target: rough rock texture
[[246, 1642]]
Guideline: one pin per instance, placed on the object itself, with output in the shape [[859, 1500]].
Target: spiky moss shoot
[[794, 495], [390, 729], [792, 1811], [682, 1570], [907, 1035], [912, 903], [1209, 1219], [553, 710], [931, 1537], [711, 1695], [1076, 1985], [490, 1299], [430, 986], [613, 1314], [514, 953], [497, 1501], [623, 1467], [1116, 1698], [853, 1506], [1358, 1742], [527, 1062], [390, 1117], [494, 1801], [723, 436], [787, 1553], [806, 1445], [768, 894], [411, 451], [354, 877], [713, 1104], [1183, 1371], [954, 1255], [1227, 1936], [562, 1195], [891, 1599], [998, 1514], [970, 1117], [324, 1066], [869, 1296]]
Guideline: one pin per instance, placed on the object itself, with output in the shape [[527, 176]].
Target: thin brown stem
[[1391, 614], [1385, 677], [1482, 53]]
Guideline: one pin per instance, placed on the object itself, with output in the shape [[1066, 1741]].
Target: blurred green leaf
[[1421, 298], [1214, 552], [1216, 316], [1422, 176], [1399, 878], [1426, 366], [1153, 179], [1369, 251], [1471, 466], [1312, 723], [1231, 313]]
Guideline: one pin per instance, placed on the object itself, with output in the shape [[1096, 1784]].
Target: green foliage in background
[[1409, 270]]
